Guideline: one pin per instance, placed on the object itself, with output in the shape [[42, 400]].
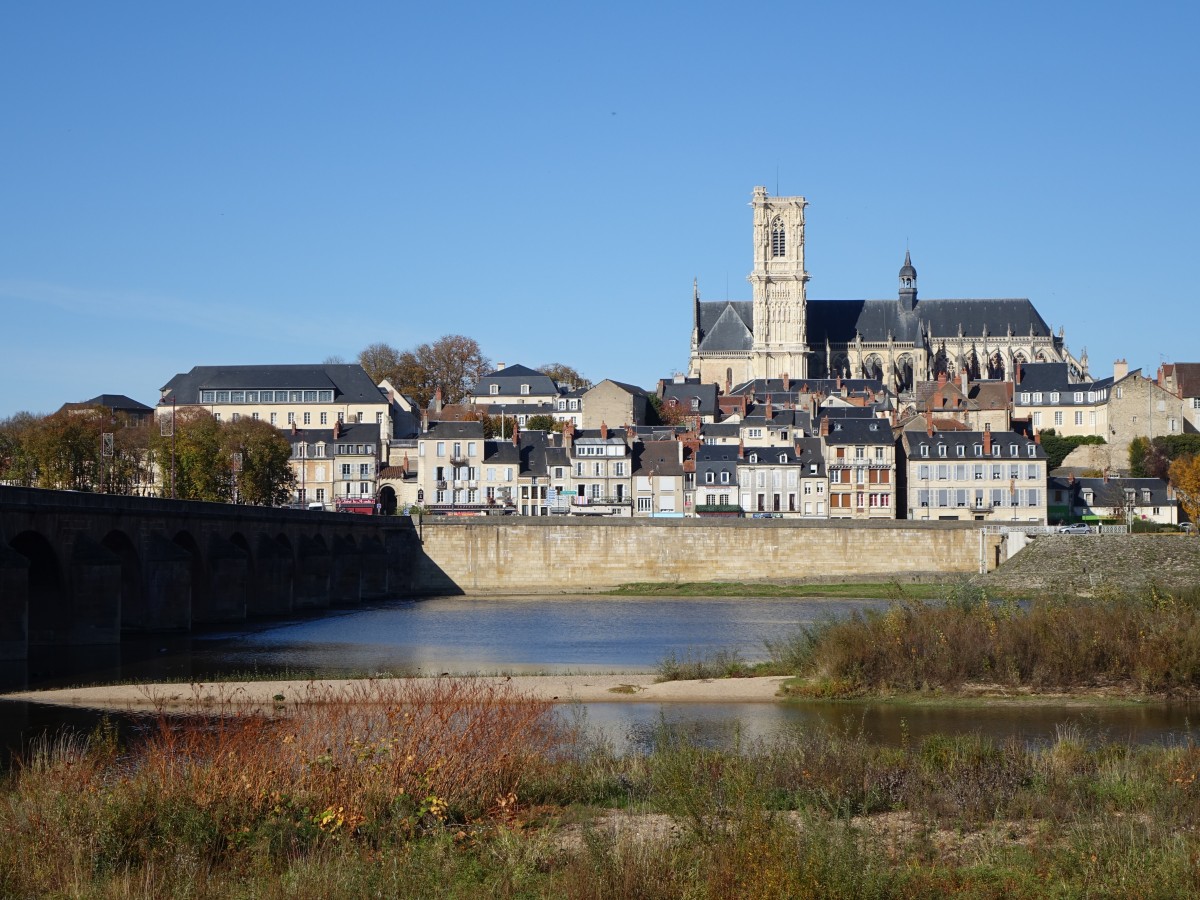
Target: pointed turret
[[908, 285]]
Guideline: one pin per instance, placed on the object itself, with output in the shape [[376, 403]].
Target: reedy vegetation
[[461, 788], [1148, 645]]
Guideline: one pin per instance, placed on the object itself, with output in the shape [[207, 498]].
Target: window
[[753, 433], [924, 450], [237, 418], [1120, 393], [291, 418], [644, 504], [1024, 396], [1172, 424], [573, 404], [725, 477], [254, 416], [709, 477], [525, 390], [619, 469], [217, 416], [942, 450], [441, 448], [961, 451], [752, 458], [783, 457], [493, 389], [1032, 448], [324, 418], [345, 470], [470, 448], [1058, 417], [308, 418], [364, 470], [778, 239], [1037, 420], [879, 454], [1012, 449], [1079, 417], [321, 450], [1037, 397], [859, 452]]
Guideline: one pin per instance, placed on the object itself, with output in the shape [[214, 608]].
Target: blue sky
[[199, 184]]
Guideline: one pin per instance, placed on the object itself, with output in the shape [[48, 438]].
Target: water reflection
[[570, 634]]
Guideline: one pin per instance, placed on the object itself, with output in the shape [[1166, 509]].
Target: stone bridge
[[81, 568]]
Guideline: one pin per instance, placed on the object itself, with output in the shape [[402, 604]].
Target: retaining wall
[[564, 555]]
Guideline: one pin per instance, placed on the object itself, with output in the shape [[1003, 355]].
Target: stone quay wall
[[547, 556]]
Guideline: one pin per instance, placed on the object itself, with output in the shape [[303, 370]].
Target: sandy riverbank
[[623, 688]]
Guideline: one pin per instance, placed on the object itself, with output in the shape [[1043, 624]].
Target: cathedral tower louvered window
[[778, 240]]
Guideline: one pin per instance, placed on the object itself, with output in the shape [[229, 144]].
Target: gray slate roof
[[349, 381], [728, 325]]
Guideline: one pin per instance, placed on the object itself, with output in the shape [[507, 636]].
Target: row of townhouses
[[818, 448]]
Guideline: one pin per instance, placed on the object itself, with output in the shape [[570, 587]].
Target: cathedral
[[900, 341]]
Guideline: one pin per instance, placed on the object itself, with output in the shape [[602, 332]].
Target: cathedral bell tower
[[908, 285], [780, 328]]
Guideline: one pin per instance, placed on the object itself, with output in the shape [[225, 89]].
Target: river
[[562, 634]]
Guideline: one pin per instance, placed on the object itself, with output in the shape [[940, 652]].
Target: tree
[[453, 363], [17, 465], [1185, 479], [543, 422], [202, 470], [264, 476], [1139, 449], [565, 376], [380, 361], [1057, 447]]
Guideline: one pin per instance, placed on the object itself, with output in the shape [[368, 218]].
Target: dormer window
[[753, 458], [942, 450], [1032, 448], [925, 451], [493, 389], [782, 458], [962, 451], [1012, 449], [979, 449], [524, 390], [778, 239]]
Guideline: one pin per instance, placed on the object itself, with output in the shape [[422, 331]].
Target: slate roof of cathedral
[[728, 325]]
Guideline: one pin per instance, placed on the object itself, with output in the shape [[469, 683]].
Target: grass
[[1146, 645], [861, 591], [463, 789]]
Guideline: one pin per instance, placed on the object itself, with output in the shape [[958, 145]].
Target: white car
[[1074, 528]]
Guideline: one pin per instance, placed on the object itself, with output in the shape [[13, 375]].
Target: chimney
[[941, 379], [963, 381], [516, 434], [295, 429], [404, 465], [839, 382], [1019, 371], [499, 367], [770, 413], [1037, 438], [1070, 478], [824, 426], [987, 439], [337, 429], [568, 435], [437, 400], [929, 422], [787, 383], [424, 421], [603, 431], [741, 450], [1120, 369]]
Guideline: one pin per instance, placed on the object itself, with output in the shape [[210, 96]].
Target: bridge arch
[[133, 595], [49, 604], [201, 583]]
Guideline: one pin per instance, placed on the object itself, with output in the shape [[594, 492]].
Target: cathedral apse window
[[778, 239]]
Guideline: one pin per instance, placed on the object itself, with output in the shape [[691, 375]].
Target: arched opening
[[201, 588], [133, 594], [996, 368], [239, 540], [778, 238], [49, 609], [387, 500]]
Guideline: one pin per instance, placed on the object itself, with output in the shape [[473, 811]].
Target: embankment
[[573, 556]]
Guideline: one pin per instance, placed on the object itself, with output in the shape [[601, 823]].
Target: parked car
[[1188, 527], [1074, 528]]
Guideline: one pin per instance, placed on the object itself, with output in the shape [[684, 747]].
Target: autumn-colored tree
[[1185, 479], [66, 450], [260, 456], [202, 470], [565, 376], [380, 361], [453, 363]]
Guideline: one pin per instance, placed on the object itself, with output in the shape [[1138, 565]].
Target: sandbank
[[636, 687]]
